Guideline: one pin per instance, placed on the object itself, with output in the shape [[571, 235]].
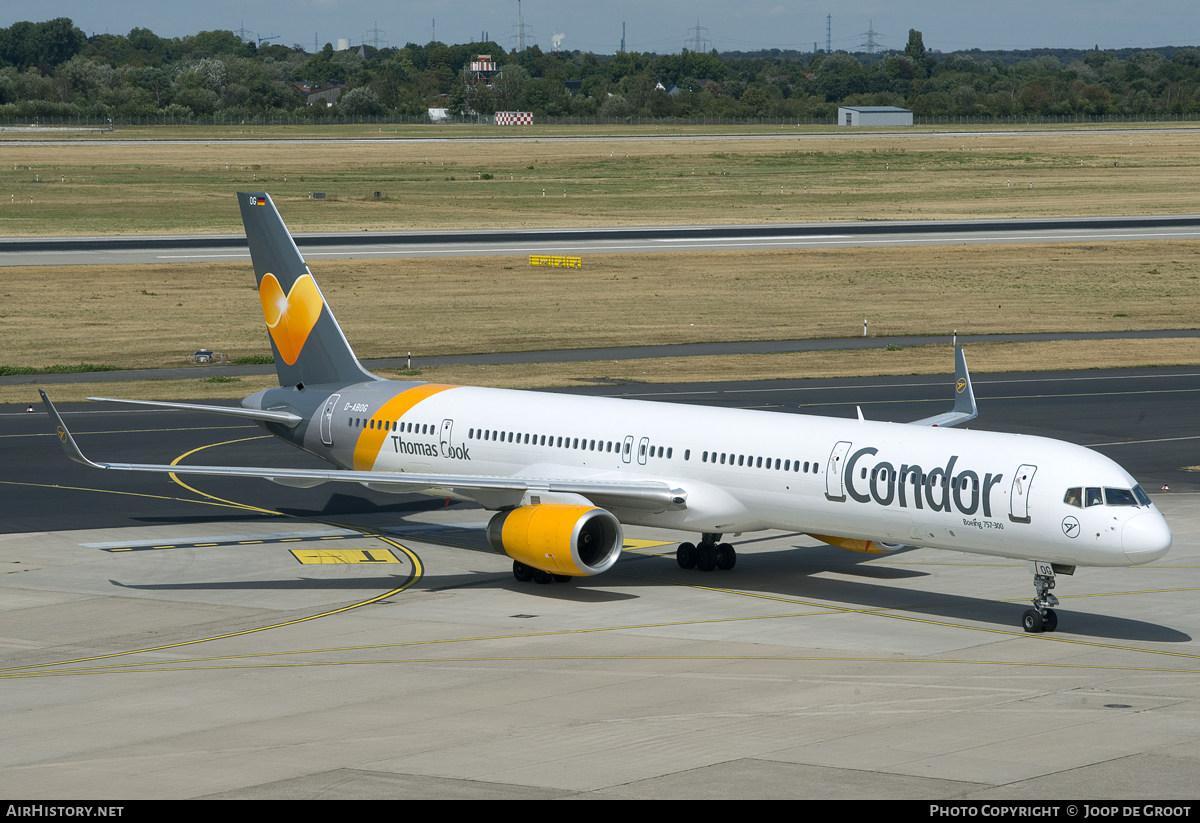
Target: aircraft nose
[[1145, 537]]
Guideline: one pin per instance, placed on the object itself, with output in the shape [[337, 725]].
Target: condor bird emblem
[[1070, 527]]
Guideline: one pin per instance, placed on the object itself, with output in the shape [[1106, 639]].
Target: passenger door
[[1018, 500], [835, 482], [327, 419], [627, 451]]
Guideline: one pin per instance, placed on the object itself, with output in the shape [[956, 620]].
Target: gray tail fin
[[308, 344]]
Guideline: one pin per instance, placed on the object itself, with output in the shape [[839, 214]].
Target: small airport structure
[[874, 116]]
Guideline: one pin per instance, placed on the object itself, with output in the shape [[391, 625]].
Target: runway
[[670, 134], [162, 640], [638, 239]]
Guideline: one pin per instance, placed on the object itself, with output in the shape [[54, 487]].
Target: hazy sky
[[661, 26]]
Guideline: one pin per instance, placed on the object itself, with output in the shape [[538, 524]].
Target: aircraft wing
[[492, 491], [964, 397]]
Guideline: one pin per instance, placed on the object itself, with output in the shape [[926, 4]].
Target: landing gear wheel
[[522, 572], [1050, 620], [726, 557], [706, 557], [542, 577], [685, 556], [1032, 622], [562, 578]]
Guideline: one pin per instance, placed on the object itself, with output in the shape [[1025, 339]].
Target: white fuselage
[[983, 492]]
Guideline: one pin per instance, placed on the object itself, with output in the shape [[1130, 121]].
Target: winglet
[[964, 397], [64, 435]]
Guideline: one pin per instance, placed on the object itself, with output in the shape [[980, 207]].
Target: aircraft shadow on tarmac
[[791, 572]]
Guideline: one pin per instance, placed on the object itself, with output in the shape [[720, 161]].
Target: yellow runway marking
[[413, 578], [161, 666], [223, 504], [820, 610], [223, 501], [324, 557], [417, 573], [645, 544]]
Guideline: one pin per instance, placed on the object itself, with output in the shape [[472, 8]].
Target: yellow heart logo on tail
[[290, 317]]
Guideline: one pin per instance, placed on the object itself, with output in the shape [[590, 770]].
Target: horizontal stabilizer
[[286, 418], [964, 397]]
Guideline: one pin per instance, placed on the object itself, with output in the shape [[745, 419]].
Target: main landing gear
[[1042, 618], [525, 573], [707, 556]]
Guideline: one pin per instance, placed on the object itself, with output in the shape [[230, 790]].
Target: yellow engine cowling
[[560, 539], [855, 545]]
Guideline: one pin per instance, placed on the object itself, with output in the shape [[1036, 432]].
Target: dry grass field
[[131, 187], [140, 316], [148, 316]]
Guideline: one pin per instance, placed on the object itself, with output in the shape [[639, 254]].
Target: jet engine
[[559, 539]]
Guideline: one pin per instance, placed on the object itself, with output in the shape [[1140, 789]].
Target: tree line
[[53, 70]]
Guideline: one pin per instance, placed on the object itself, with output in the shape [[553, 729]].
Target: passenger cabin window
[[1074, 497]]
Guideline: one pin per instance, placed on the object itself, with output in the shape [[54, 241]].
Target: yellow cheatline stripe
[[371, 441]]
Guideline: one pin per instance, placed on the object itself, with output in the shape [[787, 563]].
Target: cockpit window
[[1093, 497], [1119, 497], [1141, 496], [1074, 497]]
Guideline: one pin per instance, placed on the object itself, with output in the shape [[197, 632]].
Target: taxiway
[[239, 639]]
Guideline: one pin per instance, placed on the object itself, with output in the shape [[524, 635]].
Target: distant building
[[874, 116], [315, 93], [439, 115]]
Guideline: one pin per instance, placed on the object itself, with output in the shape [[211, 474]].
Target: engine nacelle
[[560, 539], [855, 545]]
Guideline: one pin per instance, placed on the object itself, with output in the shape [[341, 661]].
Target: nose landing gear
[[707, 556], [1043, 618]]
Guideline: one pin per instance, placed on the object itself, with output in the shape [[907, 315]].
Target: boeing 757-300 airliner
[[563, 473]]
